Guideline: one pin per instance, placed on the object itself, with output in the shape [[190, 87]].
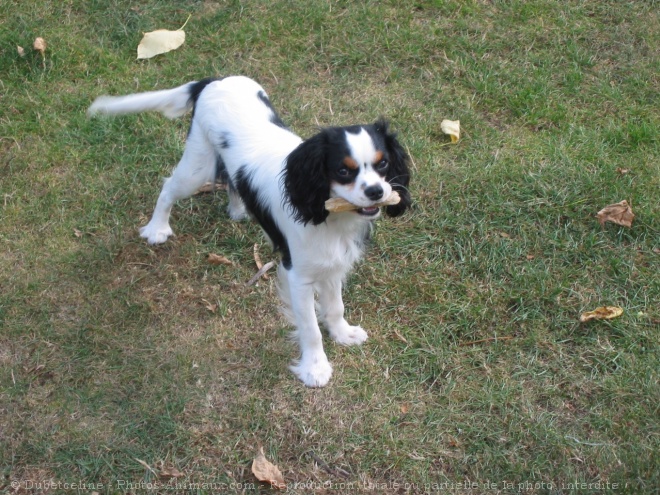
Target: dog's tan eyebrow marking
[[350, 163], [378, 157]]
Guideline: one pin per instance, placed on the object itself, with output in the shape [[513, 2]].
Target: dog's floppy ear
[[398, 173], [306, 182]]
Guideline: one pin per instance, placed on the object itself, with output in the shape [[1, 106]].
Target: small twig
[[184, 24], [323, 465], [489, 339], [146, 466], [261, 271], [257, 259], [412, 160]]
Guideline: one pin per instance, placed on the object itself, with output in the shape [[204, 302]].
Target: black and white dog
[[282, 182]]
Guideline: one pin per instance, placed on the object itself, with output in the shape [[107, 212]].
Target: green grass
[[477, 369]]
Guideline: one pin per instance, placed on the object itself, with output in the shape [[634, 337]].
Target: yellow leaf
[[40, 45], [266, 471], [216, 259], [453, 128], [602, 313], [618, 213], [160, 41]]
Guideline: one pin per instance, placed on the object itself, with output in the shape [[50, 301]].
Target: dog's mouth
[[369, 211]]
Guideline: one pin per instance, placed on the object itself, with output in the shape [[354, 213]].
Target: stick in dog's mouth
[[336, 205]]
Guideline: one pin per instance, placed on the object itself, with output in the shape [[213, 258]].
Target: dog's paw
[[313, 373], [348, 335], [155, 234], [238, 215]]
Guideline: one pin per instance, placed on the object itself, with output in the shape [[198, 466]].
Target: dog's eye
[[382, 165], [343, 172]]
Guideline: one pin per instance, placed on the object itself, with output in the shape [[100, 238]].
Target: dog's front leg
[[332, 313], [313, 368]]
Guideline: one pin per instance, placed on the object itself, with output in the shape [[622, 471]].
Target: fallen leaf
[[40, 45], [602, 313], [216, 259], [618, 213], [453, 128], [404, 408], [170, 472], [160, 41], [622, 171], [210, 306], [211, 187], [20, 50], [266, 471]]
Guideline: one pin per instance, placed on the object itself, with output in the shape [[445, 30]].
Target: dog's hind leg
[[196, 167], [236, 207]]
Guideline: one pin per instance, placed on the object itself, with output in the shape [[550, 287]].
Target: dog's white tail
[[170, 102]]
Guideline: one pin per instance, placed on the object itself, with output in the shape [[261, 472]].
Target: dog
[[282, 182]]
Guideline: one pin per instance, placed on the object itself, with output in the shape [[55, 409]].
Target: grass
[[477, 378]]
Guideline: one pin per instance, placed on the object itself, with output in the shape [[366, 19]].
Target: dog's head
[[361, 164]]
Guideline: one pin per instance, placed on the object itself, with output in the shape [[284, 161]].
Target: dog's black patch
[[196, 89], [274, 118], [221, 174], [243, 183], [225, 143]]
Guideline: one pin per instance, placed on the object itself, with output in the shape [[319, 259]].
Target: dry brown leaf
[[622, 171], [211, 187], [40, 45], [20, 50], [340, 204], [453, 128], [216, 259], [602, 313], [404, 408], [210, 306], [618, 213], [267, 472], [170, 472]]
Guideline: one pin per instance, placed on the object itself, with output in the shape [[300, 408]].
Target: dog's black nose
[[374, 193]]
